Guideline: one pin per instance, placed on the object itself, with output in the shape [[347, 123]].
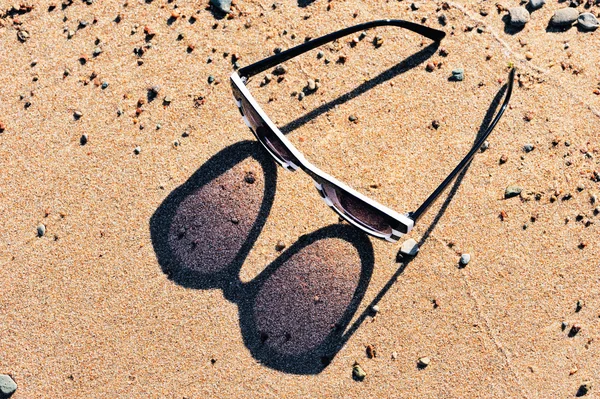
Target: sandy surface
[[158, 275]]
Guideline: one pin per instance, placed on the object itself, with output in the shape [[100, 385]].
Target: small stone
[[41, 230], [464, 259], [575, 328], [353, 118], [409, 247], [97, 51], [564, 325], [394, 355], [358, 373], [415, 6], [280, 246], [320, 55], [279, 70], [584, 388], [535, 4], [512, 191], [312, 85], [519, 16], [458, 75], [301, 96], [158, 126], [503, 159], [249, 178], [423, 362], [435, 124], [137, 150], [378, 41], [528, 147], [430, 67], [564, 17], [167, 100], [529, 55], [371, 351], [485, 146], [375, 309], [7, 386], [104, 85], [579, 305], [23, 35], [77, 114], [222, 5], [587, 21], [83, 139], [211, 79]]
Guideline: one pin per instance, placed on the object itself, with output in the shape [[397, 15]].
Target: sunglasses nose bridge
[[322, 193]]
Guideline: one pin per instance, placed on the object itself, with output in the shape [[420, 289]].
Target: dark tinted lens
[[262, 131], [358, 210]]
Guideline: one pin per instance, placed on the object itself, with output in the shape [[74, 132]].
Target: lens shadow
[[204, 229], [293, 315]]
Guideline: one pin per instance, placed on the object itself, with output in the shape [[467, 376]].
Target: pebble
[[104, 85], [137, 150], [409, 247], [575, 329], [519, 16], [587, 21], [535, 4], [312, 85], [528, 147], [279, 70], [320, 54], [464, 259], [378, 41], [41, 230], [167, 100], [564, 17], [485, 146], [301, 96], [529, 55], [512, 191], [211, 79], [394, 355], [77, 114], [23, 35], [352, 118], [503, 159], [584, 388], [423, 362], [222, 5], [375, 309], [97, 51], [84, 139], [358, 373], [579, 305], [7, 386], [458, 75], [280, 246]]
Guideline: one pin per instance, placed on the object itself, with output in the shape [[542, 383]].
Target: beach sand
[[158, 274]]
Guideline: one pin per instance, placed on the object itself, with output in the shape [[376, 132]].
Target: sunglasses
[[357, 209]]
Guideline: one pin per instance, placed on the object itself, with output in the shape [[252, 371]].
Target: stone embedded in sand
[[535, 4], [588, 21], [519, 16], [564, 17], [409, 247], [512, 191], [464, 259], [41, 230], [423, 362], [458, 75], [358, 373], [222, 5], [7, 386]]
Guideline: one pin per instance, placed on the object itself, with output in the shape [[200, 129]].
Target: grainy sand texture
[[150, 248]]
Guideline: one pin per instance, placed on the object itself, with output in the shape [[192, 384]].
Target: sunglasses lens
[[261, 129], [357, 210]]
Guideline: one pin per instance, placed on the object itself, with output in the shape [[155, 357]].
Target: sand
[[158, 274]]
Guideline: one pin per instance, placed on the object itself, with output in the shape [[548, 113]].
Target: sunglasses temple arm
[[277, 59], [416, 215]]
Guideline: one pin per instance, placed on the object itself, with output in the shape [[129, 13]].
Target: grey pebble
[[485, 146], [512, 191], [528, 147], [211, 79], [464, 259], [222, 5], [320, 54], [7, 386], [564, 17], [23, 35], [519, 16], [41, 230], [104, 85], [301, 96], [458, 75], [535, 4], [409, 247], [97, 51], [137, 150], [587, 21]]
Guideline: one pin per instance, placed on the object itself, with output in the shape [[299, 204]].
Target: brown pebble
[[280, 246], [503, 159], [503, 216], [371, 352], [435, 124], [575, 329], [2, 127], [444, 52], [430, 67], [528, 116], [529, 55], [249, 178]]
